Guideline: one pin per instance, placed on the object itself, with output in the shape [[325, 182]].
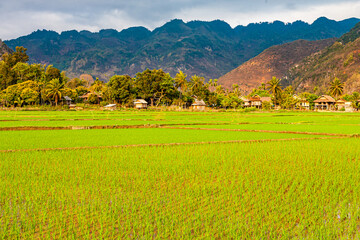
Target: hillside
[[4, 49], [274, 61], [341, 60], [208, 49]]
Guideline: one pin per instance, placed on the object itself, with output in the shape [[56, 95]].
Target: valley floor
[[179, 175]]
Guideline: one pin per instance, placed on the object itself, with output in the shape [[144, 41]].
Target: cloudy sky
[[21, 17]]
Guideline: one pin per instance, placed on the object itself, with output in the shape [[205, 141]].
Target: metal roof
[[198, 103], [110, 105]]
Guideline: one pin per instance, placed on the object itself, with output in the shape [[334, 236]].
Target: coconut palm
[[274, 87], [54, 90], [336, 88], [181, 82]]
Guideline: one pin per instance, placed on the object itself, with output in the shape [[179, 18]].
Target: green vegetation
[[174, 182], [116, 137]]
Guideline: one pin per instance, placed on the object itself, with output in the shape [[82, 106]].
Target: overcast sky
[[21, 17]]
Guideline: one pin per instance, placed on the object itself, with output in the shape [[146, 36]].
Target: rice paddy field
[[179, 175]]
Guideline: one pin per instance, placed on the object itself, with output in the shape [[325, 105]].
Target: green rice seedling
[[289, 189]]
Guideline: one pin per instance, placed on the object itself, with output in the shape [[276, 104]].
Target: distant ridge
[[208, 49]]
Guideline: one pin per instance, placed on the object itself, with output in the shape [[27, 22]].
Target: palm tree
[[196, 84], [54, 90], [274, 87], [336, 87], [181, 82]]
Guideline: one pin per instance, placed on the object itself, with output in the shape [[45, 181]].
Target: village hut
[[303, 104], [110, 106], [255, 101], [67, 100], [140, 104], [342, 104], [198, 105], [246, 102], [325, 102]]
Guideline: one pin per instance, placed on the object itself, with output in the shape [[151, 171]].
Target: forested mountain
[[340, 60], [274, 61], [208, 49]]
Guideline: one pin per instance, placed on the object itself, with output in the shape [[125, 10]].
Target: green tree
[[274, 87], [198, 87], [336, 88], [310, 97], [21, 69], [287, 98], [181, 82], [154, 85], [97, 86], [7, 73], [21, 93], [54, 90], [29, 96], [18, 56], [76, 82], [167, 92], [54, 73], [236, 90], [121, 89]]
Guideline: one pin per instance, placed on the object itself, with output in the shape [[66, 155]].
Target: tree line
[[22, 84]]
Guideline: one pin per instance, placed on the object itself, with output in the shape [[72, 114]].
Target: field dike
[[169, 126], [171, 144], [266, 131]]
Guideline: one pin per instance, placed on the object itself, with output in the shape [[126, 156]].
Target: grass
[[311, 128], [303, 189], [115, 137]]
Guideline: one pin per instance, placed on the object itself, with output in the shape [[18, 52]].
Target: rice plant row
[[300, 189]]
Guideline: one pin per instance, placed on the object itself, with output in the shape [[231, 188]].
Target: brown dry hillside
[[341, 60], [274, 61]]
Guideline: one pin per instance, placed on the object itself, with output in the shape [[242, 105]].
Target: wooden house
[[303, 104], [140, 104], [67, 100], [255, 101], [345, 105], [325, 102], [198, 105], [246, 102]]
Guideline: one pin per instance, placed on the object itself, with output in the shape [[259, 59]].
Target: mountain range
[[208, 49]]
